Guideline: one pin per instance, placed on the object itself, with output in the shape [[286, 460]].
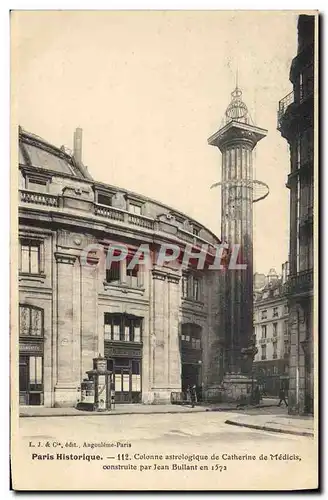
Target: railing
[[283, 105], [109, 213], [45, 199], [116, 214], [301, 282], [141, 221]]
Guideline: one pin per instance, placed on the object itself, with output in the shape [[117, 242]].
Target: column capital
[[173, 278], [159, 275], [65, 258]]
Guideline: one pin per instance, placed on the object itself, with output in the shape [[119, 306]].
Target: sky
[[148, 89]]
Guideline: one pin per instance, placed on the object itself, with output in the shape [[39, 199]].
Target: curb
[[108, 414], [270, 429], [169, 412]]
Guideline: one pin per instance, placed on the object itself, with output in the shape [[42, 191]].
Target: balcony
[[118, 215], [45, 199], [283, 105], [300, 283]]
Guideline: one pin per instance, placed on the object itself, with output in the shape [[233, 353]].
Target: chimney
[[78, 146]]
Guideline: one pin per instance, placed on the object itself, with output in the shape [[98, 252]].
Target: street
[[214, 454]]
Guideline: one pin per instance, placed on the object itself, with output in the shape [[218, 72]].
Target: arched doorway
[[191, 357]]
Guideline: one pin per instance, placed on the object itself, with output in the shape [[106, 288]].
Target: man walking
[[193, 396], [282, 396]]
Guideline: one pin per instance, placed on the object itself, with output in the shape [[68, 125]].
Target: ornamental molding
[[159, 275], [64, 258], [173, 279]]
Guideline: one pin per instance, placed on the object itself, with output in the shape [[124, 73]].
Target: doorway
[[31, 380], [126, 378]]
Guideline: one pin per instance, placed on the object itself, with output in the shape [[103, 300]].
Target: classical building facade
[[271, 363], [296, 124], [155, 324]]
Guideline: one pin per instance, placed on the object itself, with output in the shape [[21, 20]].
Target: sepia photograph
[[164, 250]]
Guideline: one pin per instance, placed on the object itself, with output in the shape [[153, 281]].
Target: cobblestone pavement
[[198, 434]]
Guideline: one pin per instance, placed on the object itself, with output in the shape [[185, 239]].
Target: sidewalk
[[286, 424], [132, 409]]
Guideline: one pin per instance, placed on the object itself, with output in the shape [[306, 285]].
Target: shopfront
[[31, 355], [123, 350]]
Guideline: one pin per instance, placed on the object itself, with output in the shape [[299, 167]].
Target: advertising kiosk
[[96, 391]]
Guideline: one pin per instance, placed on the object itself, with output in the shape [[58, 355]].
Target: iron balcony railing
[[301, 282], [283, 105]]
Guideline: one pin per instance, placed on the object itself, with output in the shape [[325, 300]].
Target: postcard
[[164, 298]]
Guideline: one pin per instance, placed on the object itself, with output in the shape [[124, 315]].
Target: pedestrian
[[282, 396], [188, 394], [257, 395], [193, 396]]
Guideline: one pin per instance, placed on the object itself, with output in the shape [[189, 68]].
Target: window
[[274, 329], [35, 373], [196, 288], [134, 208], [286, 349], [263, 353], [191, 287], [286, 327], [122, 328], [286, 309], [275, 344], [264, 314], [113, 274], [38, 185], [191, 336], [264, 331], [30, 257], [275, 313], [184, 284], [132, 274], [104, 199], [30, 321], [195, 231]]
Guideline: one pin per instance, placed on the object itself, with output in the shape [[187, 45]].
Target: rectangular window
[[286, 327], [286, 347], [35, 374], [275, 312], [104, 199], [134, 208], [264, 331], [30, 258], [196, 288], [122, 328], [113, 274], [30, 321], [116, 329], [286, 309], [195, 231], [36, 185], [132, 274], [274, 350], [264, 314], [263, 349], [274, 329]]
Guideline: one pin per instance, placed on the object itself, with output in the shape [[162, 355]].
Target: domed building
[[156, 324]]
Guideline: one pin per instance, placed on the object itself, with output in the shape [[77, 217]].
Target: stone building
[[156, 324], [296, 124], [271, 363]]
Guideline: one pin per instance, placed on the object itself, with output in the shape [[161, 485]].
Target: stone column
[[166, 365], [173, 343], [67, 383]]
